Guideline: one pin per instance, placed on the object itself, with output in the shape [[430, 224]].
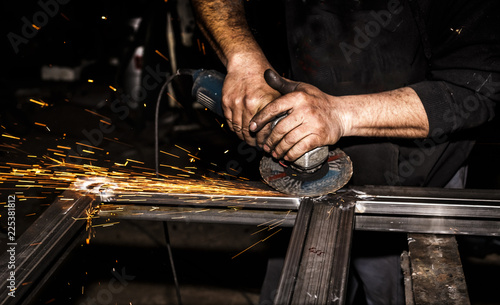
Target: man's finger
[[270, 112], [284, 127], [278, 83], [273, 109]]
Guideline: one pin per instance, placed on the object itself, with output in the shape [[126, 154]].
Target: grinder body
[[207, 89]]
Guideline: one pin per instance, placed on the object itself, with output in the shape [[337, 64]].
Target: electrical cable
[[157, 112], [157, 165]]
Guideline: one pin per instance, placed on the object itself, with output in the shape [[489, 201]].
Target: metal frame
[[332, 217], [317, 260], [40, 248]]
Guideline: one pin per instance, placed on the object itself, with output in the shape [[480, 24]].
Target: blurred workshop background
[[74, 71]]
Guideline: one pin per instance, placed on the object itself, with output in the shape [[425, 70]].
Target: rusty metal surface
[[437, 275]]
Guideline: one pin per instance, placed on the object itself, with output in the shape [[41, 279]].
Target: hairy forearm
[[223, 23], [396, 113]]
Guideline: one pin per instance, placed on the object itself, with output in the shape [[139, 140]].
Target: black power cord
[[157, 165]]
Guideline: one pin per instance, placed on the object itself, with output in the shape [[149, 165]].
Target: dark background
[[79, 39]]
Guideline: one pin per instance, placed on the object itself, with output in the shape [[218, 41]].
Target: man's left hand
[[313, 120]]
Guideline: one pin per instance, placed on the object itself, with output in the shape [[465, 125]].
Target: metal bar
[[429, 208], [437, 275], [367, 222], [31, 297], [429, 202], [427, 192], [338, 283], [433, 225], [294, 254], [199, 215], [405, 267], [42, 244], [385, 201], [317, 260], [204, 200]]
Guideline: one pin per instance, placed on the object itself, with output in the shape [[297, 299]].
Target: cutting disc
[[333, 174]]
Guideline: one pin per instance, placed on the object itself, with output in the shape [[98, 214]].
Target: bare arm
[[397, 113], [245, 91], [223, 23]]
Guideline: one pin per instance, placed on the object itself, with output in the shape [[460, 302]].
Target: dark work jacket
[[447, 51]]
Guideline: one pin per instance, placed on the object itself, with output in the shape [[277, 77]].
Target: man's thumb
[[279, 83]]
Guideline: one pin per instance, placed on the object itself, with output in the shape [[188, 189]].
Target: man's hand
[[316, 119], [312, 120], [245, 93]]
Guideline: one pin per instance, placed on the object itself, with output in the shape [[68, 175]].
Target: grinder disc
[[334, 174]]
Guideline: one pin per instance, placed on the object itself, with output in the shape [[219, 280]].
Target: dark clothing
[[447, 51]]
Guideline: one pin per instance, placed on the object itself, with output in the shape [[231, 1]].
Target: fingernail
[[275, 155], [253, 126], [266, 148]]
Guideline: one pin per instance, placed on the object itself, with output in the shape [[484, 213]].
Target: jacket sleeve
[[463, 78]]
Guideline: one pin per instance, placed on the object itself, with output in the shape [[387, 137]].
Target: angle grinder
[[317, 172]]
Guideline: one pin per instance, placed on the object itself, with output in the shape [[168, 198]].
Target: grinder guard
[[335, 174]]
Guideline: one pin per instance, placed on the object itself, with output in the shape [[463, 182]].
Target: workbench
[[431, 218]]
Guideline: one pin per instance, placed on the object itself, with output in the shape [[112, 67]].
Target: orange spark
[[9, 136], [51, 149], [90, 146], [135, 161], [163, 56], [182, 148], [95, 113], [166, 153], [173, 98], [262, 240], [41, 103]]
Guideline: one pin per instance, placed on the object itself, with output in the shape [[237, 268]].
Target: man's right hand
[[245, 92]]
